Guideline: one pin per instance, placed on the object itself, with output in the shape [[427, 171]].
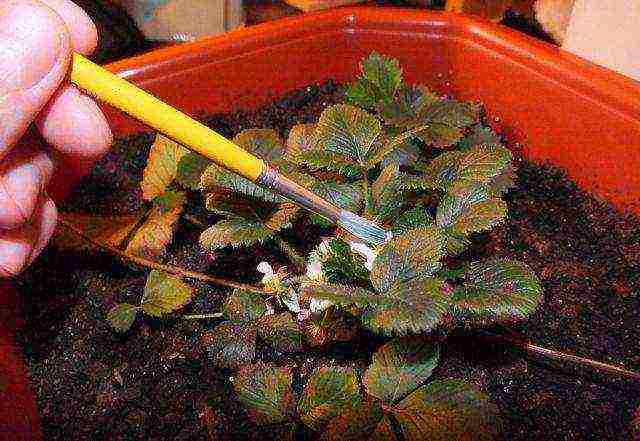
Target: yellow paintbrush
[[185, 130]]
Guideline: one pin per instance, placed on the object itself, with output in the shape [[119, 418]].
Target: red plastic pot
[[557, 107]]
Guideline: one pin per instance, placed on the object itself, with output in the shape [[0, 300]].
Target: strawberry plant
[[422, 166]]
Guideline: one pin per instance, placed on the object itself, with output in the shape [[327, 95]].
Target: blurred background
[[130, 27]]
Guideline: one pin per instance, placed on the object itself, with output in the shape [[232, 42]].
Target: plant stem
[[367, 195], [551, 354], [155, 265], [194, 220], [203, 316], [291, 253]]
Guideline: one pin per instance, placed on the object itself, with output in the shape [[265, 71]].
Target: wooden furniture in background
[[317, 5], [490, 9]]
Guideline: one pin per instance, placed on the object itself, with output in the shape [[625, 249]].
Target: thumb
[[35, 50]]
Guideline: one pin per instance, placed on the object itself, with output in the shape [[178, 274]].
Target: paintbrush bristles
[[362, 228]]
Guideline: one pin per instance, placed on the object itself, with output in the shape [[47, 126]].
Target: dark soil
[[157, 382]]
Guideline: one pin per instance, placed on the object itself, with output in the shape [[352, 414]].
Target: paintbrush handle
[[143, 106], [148, 109]]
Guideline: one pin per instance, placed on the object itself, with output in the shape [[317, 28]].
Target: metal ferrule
[[288, 189]]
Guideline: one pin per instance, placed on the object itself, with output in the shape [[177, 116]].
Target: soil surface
[[157, 381]]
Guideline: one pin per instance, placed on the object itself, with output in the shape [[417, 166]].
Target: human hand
[[37, 38]]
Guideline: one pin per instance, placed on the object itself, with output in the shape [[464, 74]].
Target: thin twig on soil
[[155, 265], [215, 315], [551, 354]]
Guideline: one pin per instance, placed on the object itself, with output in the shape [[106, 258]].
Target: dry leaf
[[156, 233], [162, 166], [107, 230]]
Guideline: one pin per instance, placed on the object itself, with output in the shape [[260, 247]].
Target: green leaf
[[480, 135], [330, 391], [418, 216], [418, 305], [456, 244], [365, 422], [482, 163], [470, 210], [281, 332], [410, 307], [405, 154], [443, 122], [454, 205], [416, 253], [214, 179], [265, 143], [380, 78], [236, 232], [407, 105], [283, 217], [387, 193], [447, 410], [164, 293], [151, 239], [342, 295], [244, 306], [442, 171], [347, 196], [399, 367], [497, 290], [481, 216], [504, 181], [347, 131], [162, 166], [121, 316], [300, 139], [265, 390], [342, 264], [340, 327], [316, 160], [232, 345], [190, 170]]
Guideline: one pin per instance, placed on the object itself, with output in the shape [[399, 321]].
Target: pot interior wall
[[553, 106]]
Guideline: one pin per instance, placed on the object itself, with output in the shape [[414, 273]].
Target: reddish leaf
[[107, 230], [265, 390], [330, 391], [364, 422], [152, 238], [447, 410], [399, 367], [162, 166]]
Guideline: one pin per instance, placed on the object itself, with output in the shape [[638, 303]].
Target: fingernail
[[32, 41]]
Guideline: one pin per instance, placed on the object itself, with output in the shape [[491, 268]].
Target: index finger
[[84, 35]]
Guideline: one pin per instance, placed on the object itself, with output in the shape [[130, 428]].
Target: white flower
[[388, 236], [270, 310], [266, 269], [314, 270], [271, 281], [368, 253], [292, 301], [323, 248]]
